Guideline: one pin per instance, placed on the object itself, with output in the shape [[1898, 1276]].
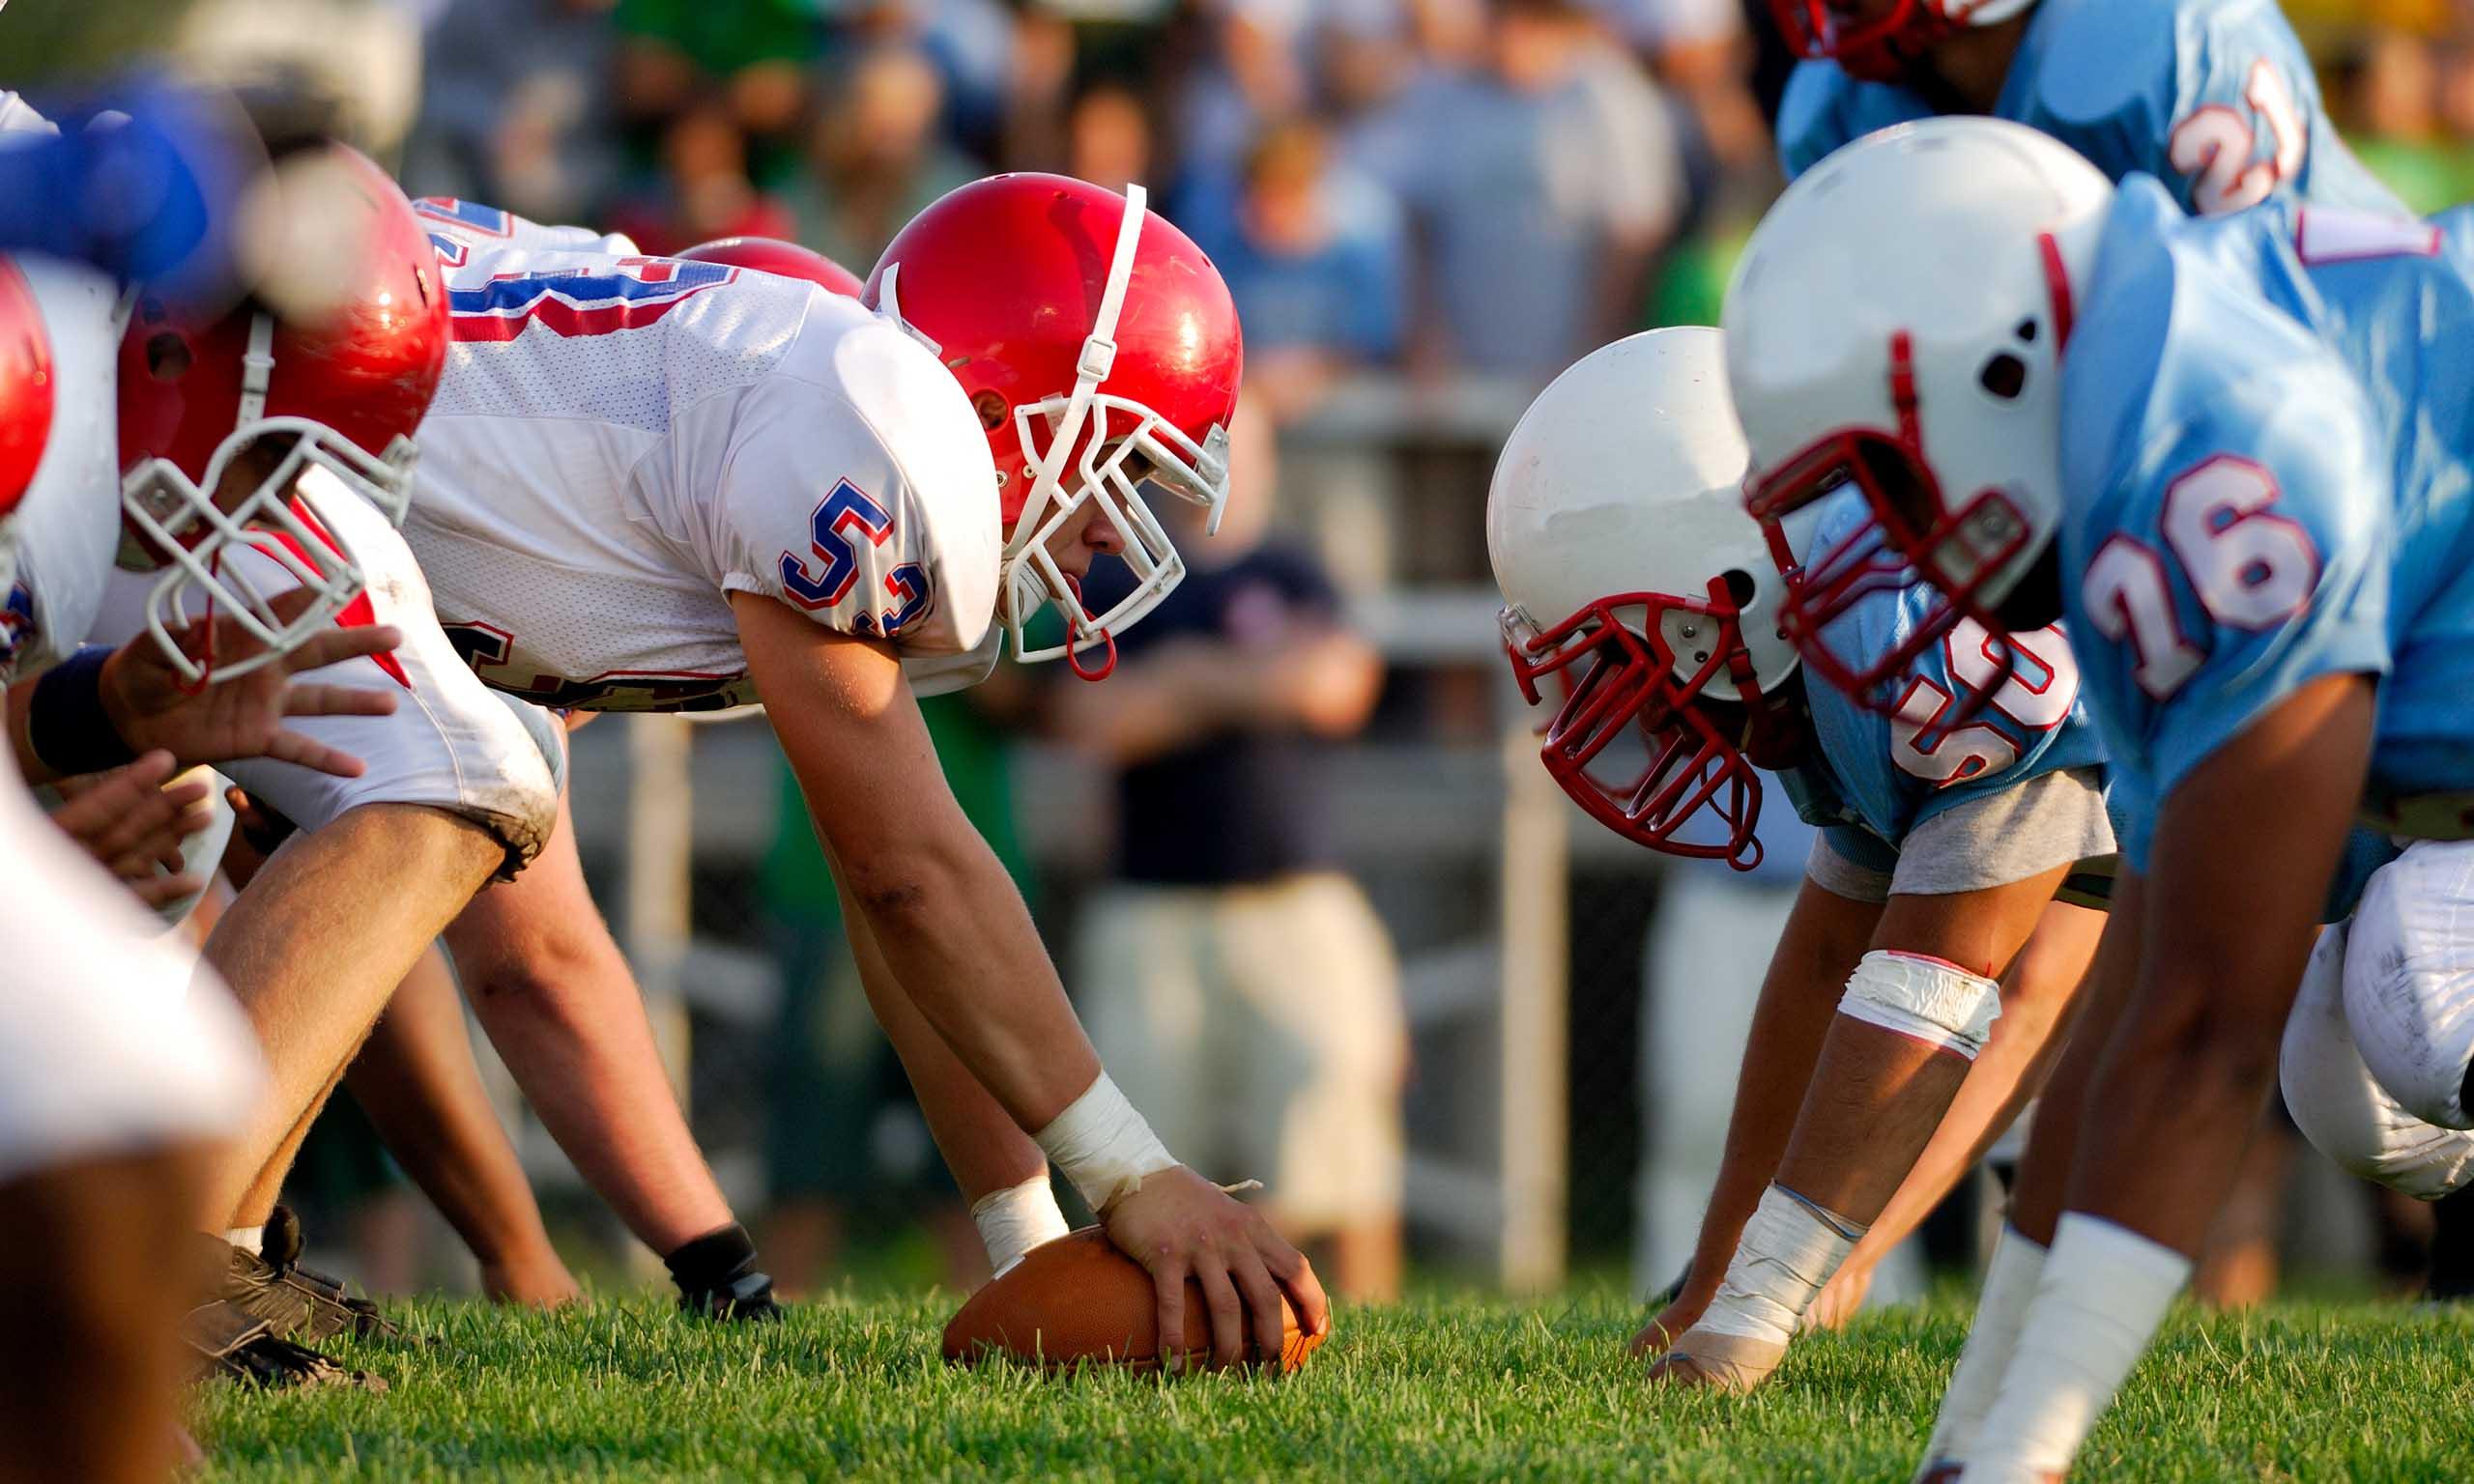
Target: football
[[1080, 1300]]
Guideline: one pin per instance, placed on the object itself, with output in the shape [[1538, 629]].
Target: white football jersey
[[68, 529], [620, 442]]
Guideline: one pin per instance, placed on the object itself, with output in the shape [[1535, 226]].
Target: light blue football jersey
[[2268, 433], [1873, 778], [2215, 98]]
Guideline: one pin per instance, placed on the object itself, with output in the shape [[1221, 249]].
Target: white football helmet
[[1897, 322], [1631, 572]]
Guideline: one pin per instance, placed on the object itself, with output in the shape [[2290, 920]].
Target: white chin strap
[[1030, 579]]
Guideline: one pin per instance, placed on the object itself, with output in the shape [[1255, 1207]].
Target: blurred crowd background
[[1326, 917]]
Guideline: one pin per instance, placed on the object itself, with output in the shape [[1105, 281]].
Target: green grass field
[[1442, 1389]]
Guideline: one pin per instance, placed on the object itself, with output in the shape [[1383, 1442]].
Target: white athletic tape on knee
[[1103, 1145], [1016, 1219], [1786, 1256], [2104, 1292], [1932, 1001], [2010, 1286]]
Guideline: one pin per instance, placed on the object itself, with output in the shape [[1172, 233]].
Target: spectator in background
[[515, 106], [701, 191], [1242, 990], [877, 159], [1108, 136], [1538, 190], [749, 58], [1316, 263]]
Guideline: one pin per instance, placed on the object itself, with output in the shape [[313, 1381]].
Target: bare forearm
[[952, 930], [2026, 1041], [982, 1144], [1798, 999]]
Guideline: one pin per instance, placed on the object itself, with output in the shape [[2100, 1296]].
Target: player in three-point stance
[[1643, 597], [656, 484], [2231, 454]]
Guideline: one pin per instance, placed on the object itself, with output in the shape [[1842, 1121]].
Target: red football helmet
[[1100, 350], [772, 255], [1881, 48], [334, 361], [25, 387]]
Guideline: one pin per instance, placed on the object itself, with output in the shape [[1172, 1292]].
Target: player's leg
[[314, 949], [562, 1008], [1917, 1011], [101, 1263], [119, 1066], [2339, 1104], [416, 1081], [2409, 981]]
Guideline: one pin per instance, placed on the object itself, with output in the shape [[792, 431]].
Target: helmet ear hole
[[991, 407], [1739, 586], [2004, 375], [167, 357]]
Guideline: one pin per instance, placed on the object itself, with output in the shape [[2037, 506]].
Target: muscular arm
[[1840, 1110], [2038, 997], [980, 1142], [1826, 934], [946, 920]]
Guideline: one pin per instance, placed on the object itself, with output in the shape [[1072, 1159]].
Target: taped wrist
[[713, 1261], [67, 725], [1016, 1219], [1786, 1256], [1103, 1145], [1930, 999]]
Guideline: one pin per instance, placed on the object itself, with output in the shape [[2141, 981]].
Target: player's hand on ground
[[133, 825], [151, 706], [1179, 1226], [1681, 1313], [1837, 1302]]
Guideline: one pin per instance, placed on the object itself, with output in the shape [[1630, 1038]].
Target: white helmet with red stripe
[[1639, 598], [1897, 322]]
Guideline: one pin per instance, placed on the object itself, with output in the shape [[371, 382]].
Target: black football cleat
[[718, 1279]]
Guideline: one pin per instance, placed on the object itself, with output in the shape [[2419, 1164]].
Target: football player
[[2213, 97], [1634, 579], [2232, 454], [654, 484], [239, 422]]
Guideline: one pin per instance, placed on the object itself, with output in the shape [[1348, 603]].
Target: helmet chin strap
[[1091, 368]]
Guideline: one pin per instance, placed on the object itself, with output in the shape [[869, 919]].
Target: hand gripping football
[[1080, 1300]]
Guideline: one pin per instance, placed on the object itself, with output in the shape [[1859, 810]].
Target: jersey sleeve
[[2216, 99], [856, 515], [459, 228], [1824, 108], [2242, 559]]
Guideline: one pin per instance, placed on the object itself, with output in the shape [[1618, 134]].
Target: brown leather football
[[1080, 1300]]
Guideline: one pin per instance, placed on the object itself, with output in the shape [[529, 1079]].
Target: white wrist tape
[[1016, 1219], [2010, 1286], [1936, 1002], [2104, 1292], [1786, 1256], [1103, 1145]]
